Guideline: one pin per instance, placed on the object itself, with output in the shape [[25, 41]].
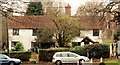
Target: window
[[72, 55], [15, 31], [64, 54], [95, 32], [34, 32], [13, 43], [3, 57], [58, 55]]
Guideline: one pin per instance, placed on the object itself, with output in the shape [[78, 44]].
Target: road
[[44, 63], [41, 63], [49, 63]]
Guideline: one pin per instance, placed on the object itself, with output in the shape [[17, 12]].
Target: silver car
[[68, 57], [4, 59]]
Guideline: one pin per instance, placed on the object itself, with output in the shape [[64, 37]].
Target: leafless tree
[[65, 25], [108, 15]]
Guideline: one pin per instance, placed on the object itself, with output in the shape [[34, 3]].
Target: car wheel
[[58, 62], [11, 63], [80, 61]]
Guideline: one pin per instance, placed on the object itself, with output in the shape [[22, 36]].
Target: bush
[[116, 36], [95, 50], [81, 50], [23, 56], [47, 54], [98, 50], [18, 47]]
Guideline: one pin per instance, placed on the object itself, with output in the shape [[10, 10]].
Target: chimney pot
[[68, 10]]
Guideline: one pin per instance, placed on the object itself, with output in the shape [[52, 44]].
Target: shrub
[[47, 54], [95, 50], [116, 36], [18, 46], [98, 50], [23, 56], [81, 50]]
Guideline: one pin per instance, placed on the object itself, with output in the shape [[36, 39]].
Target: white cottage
[[91, 31], [22, 29]]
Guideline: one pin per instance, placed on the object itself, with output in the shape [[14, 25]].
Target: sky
[[75, 4]]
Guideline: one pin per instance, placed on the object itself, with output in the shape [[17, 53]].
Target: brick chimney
[[68, 10]]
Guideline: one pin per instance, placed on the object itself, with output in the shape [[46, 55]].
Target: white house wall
[[89, 33], [25, 37]]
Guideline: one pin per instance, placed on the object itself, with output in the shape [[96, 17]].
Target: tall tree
[[88, 14], [62, 32], [35, 8], [89, 9], [65, 26], [111, 14], [91, 13], [45, 35], [111, 9], [66, 31]]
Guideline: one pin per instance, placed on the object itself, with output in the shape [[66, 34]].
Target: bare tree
[[107, 15], [88, 15], [65, 25], [111, 13]]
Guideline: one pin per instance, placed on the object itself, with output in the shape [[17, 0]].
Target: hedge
[[47, 54], [81, 50], [23, 56], [94, 50]]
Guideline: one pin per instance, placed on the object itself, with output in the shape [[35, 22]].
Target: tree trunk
[[60, 41]]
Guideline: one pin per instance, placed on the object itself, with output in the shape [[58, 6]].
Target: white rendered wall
[[25, 37], [89, 33]]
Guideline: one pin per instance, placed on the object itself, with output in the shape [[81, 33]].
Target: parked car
[[68, 57], [4, 59]]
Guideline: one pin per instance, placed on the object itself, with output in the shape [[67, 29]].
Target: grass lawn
[[112, 62], [108, 61]]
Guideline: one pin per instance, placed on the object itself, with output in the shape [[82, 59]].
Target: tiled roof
[[30, 22], [33, 22], [90, 22]]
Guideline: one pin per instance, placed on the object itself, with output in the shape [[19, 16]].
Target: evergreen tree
[[34, 8]]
